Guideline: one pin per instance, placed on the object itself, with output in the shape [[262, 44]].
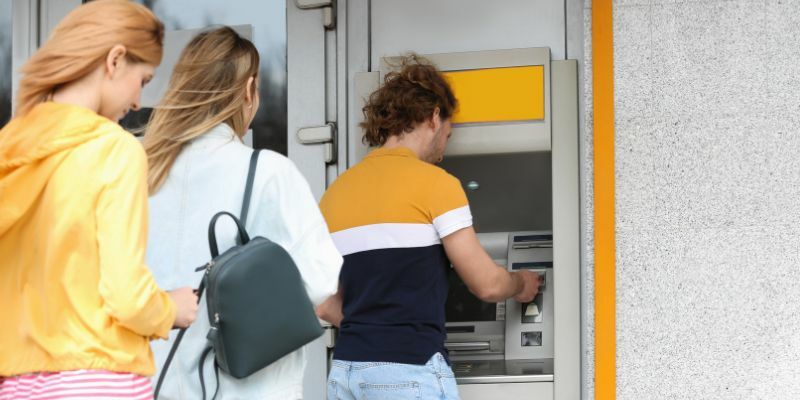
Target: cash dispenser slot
[[532, 242], [468, 346]]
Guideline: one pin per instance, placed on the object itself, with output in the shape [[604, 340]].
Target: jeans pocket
[[390, 391]]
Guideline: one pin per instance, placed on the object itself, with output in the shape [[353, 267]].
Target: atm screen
[[463, 306], [506, 192]]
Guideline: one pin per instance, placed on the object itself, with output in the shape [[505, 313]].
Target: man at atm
[[400, 222]]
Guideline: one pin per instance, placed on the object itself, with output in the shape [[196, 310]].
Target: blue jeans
[[352, 380]]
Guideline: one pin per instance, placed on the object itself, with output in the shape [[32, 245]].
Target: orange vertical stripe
[[604, 241]]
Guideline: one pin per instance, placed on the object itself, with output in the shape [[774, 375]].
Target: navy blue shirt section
[[396, 315]]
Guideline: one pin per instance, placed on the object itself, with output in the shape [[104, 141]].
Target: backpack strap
[[248, 189], [178, 339], [203, 357]]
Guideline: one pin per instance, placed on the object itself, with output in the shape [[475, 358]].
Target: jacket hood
[[32, 147]]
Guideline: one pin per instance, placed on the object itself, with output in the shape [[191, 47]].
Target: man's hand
[[485, 279], [530, 286]]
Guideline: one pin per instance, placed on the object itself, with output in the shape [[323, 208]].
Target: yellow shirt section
[[75, 290], [390, 186]]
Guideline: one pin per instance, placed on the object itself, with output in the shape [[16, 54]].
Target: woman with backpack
[[198, 167]]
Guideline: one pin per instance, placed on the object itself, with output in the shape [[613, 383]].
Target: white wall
[[707, 99]]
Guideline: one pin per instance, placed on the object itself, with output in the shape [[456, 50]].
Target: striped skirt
[[80, 384]]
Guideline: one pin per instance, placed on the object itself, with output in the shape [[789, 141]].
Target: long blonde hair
[[207, 87], [80, 43]]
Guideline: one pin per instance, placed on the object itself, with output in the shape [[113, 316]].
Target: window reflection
[[268, 21]]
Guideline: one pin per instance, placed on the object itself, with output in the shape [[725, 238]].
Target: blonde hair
[[81, 42], [207, 88]]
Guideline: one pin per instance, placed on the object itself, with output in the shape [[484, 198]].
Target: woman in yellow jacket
[[79, 305]]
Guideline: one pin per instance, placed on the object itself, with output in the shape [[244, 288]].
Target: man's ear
[[436, 122], [114, 59]]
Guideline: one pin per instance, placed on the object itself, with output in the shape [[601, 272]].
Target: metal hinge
[[328, 10], [325, 134], [329, 334]]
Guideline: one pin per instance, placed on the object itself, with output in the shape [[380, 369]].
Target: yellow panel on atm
[[498, 94]]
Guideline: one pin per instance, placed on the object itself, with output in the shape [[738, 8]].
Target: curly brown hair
[[407, 98]]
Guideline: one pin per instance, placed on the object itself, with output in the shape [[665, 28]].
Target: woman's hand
[[186, 304]]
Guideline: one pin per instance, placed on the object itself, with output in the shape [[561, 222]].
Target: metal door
[[312, 106]]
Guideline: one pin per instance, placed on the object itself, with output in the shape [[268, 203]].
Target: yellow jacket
[[74, 290]]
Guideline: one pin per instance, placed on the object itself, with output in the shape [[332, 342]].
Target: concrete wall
[[587, 220], [707, 99]]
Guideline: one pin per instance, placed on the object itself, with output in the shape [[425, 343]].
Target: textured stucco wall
[[707, 102], [588, 217]]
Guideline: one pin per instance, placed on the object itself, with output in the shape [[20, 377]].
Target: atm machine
[[514, 149]]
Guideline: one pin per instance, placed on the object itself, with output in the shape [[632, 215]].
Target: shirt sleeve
[[302, 231], [128, 289], [449, 208]]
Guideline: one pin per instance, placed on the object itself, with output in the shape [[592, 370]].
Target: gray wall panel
[[707, 185], [442, 26]]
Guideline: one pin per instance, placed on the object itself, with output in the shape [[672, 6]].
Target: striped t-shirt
[[387, 216]]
